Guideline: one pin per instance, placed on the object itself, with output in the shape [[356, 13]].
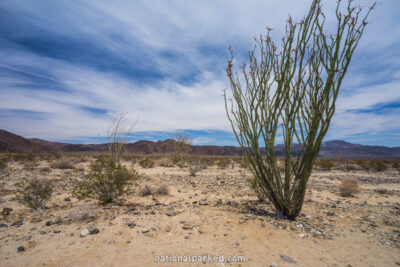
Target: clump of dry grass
[[349, 188], [148, 189], [146, 163], [325, 164], [62, 164], [165, 162]]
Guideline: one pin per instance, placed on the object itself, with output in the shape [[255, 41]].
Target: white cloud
[[147, 29]]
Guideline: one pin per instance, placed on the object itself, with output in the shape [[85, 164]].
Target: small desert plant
[[194, 168], [146, 190], [162, 190], [325, 164], [379, 166], [34, 192], [165, 162], [106, 181], [396, 165], [349, 187], [3, 163], [62, 164], [223, 163], [182, 147], [146, 163]]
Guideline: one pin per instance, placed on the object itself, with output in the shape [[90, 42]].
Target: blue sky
[[66, 67]]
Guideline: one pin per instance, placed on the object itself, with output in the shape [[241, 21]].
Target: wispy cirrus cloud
[[66, 66]]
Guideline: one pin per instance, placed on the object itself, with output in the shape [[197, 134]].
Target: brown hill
[[13, 143], [10, 142]]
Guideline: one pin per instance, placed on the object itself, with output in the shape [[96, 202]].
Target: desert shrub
[[349, 188], [34, 192], [24, 157], [29, 165], [363, 164], [146, 190], [325, 164], [194, 169], [106, 181], [146, 163], [223, 163], [3, 163], [162, 190], [165, 162], [256, 188], [396, 165], [62, 164], [379, 166]]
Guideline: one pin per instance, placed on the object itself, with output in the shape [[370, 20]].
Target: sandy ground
[[214, 213]]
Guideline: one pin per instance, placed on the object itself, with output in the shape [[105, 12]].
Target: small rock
[[131, 224], [145, 231], [171, 213], [21, 249], [187, 226], [288, 259], [67, 199], [273, 265], [203, 202], [94, 231], [6, 211], [84, 232], [3, 225], [48, 223], [17, 223]]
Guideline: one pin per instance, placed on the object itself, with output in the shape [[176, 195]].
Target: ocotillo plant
[[293, 90]]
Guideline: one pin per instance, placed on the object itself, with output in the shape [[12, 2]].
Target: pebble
[[287, 259], [94, 231], [21, 249], [84, 232]]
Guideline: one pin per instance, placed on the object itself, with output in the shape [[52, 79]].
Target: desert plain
[[211, 213]]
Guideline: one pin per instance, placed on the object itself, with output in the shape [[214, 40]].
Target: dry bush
[[223, 163], [349, 188], [146, 163], [325, 164], [379, 166], [147, 190], [62, 164], [194, 168], [165, 162], [29, 165], [396, 165], [3, 163], [34, 193], [106, 181], [162, 190]]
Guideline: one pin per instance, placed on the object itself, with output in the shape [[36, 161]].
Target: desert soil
[[214, 213]]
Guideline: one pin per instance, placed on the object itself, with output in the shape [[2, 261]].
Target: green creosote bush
[[34, 192], [106, 181], [146, 163]]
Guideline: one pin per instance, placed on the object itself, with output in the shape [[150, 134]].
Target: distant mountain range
[[13, 143]]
